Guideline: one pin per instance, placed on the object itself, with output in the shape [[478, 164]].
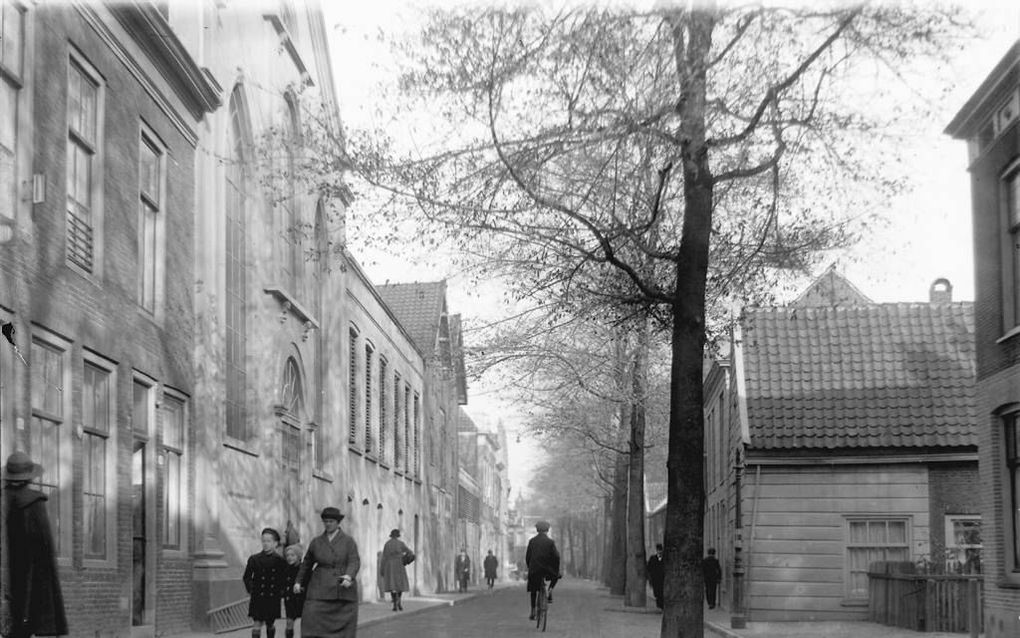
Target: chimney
[[941, 291]]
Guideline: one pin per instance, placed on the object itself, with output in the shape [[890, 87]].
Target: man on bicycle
[[543, 562]]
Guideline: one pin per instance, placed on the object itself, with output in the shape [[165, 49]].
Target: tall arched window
[[235, 293], [292, 260], [292, 400]]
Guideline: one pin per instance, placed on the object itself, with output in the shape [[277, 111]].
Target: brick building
[[99, 126], [988, 123]]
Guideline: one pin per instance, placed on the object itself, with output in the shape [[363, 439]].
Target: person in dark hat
[[328, 576], [36, 601], [656, 573], [395, 555], [543, 561], [462, 570], [490, 564]]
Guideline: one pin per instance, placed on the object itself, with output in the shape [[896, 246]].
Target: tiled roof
[[878, 375], [418, 307]]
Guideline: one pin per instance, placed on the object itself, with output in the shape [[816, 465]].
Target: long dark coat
[[394, 576], [330, 611], [543, 560], [490, 564], [265, 577], [37, 604]]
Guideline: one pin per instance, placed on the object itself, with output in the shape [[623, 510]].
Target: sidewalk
[[717, 623], [371, 613]]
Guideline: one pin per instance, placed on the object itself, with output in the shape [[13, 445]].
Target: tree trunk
[[607, 539], [618, 542], [636, 580], [684, 583]]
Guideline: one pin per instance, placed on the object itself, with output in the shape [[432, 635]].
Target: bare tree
[[664, 161]]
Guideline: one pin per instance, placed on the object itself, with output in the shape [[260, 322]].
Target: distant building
[[481, 495], [988, 123], [853, 422]]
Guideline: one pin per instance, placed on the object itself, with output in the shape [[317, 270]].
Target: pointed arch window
[[235, 296]]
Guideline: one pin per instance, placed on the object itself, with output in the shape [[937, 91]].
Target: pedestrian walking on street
[[265, 577], [462, 568], [293, 603], [490, 565], [713, 574], [327, 576], [543, 561], [36, 602], [657, 574], [395, 556]]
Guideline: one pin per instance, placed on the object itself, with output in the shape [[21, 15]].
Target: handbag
[[408, 557]]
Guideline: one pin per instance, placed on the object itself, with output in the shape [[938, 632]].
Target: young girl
[[265, 577], [292, 603]]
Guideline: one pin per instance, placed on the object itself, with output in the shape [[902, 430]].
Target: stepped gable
[[898, 375]]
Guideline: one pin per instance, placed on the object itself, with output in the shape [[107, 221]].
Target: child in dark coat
[[265, 576], [292, 603]]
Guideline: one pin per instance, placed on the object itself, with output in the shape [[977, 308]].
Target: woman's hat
[[333, 513], [20, 467], [395, 533]]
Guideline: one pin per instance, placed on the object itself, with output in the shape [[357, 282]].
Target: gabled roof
[[419, 307], [870, 376], [831, 289]]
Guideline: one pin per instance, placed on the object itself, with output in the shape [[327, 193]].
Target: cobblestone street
[[580, 609]]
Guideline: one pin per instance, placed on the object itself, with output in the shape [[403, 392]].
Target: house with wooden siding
[[988, 122], [852, 423]]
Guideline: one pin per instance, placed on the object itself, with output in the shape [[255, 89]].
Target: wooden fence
[[926, 602]]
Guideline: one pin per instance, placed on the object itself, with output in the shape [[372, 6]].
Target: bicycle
[[542, 606]]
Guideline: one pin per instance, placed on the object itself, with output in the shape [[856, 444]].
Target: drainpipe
[[738, 615]]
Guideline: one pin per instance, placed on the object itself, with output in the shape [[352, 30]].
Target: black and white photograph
[[494, 318]]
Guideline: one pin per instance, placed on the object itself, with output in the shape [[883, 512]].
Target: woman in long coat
[[329, 574], [36, 602], [395, 555]]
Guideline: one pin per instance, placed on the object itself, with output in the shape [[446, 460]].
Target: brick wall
[[100, 313], [951, 489]]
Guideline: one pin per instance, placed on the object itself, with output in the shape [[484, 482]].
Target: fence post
[[973, 608]]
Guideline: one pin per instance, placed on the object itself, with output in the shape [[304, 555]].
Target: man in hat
[[328, 573], [36, 602], [543, 561], [462, 568]]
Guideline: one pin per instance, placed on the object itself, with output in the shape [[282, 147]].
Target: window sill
[[1008, 584], [1009, 335], [240, 446], [322, 476], [853, 602], [175, 553], [98, 563], [384, 465], [355, 450]]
